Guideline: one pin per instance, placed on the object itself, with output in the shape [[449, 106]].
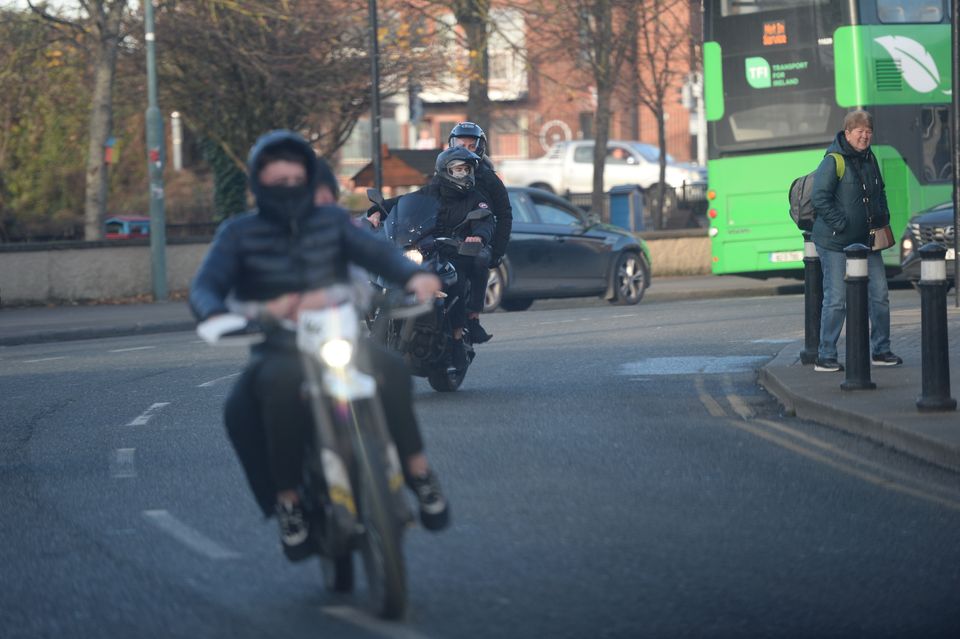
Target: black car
[[933, 225], [556, 250]]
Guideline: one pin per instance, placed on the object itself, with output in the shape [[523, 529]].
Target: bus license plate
[[787, 256]]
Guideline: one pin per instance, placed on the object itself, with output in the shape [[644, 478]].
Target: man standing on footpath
[[850, 202]]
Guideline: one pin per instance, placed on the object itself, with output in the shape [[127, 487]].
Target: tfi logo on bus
[[758, 73]]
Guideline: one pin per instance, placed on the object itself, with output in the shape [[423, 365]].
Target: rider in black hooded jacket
[[282, 255]]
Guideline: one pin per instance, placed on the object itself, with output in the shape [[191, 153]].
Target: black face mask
[[284, 203]]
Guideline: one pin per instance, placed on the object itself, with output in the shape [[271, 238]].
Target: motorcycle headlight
[[336, 353], [414, 255]]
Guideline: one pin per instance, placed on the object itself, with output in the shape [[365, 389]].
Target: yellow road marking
[[713, 407]]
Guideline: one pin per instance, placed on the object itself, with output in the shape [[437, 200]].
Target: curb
[[98, 333], [875, 429]]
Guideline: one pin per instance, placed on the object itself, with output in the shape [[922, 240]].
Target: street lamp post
[[155, 159], [375, 99]]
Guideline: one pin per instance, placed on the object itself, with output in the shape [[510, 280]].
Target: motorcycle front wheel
[[380, 541], [444, 380]]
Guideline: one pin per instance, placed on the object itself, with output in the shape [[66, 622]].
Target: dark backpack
[[801, 206]]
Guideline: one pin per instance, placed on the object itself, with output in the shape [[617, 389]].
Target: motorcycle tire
[[338, 575], [380, 543], [444, 381]]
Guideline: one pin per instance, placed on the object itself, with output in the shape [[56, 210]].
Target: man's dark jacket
[[454, 209], [258, 257], [490, 185], [843, 218]]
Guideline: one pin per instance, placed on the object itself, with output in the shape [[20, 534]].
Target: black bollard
[[934, 349], [812, 300], [858, 334]]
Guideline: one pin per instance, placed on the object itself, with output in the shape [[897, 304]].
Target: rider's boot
[[294, 530], [477, 334], [434, 509]]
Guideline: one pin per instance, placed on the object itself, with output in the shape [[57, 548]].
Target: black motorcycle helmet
[[469, 130], [455, 168]]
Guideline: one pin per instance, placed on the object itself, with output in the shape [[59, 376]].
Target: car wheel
[[630, 279], [495, 285], [518, 304]]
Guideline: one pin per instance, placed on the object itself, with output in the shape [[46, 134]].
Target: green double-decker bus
[[779, 76]]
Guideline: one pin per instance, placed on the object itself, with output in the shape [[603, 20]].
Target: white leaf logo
[[916, 64]]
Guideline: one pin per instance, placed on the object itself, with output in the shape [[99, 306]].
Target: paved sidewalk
[[887, 415]]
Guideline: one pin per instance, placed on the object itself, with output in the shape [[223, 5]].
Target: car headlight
[[414, 256], [906, 245], [336, 353]]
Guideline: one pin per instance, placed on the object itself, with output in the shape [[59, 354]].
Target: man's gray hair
[[857, 119]]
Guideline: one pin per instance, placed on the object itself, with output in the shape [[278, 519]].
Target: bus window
[[935, 142], [904, 11], [743, 7]]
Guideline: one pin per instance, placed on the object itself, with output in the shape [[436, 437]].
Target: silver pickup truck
[[568, 168]]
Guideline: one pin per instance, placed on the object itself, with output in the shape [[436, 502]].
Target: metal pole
[[858, 334], [812, 300], [176, 140], [375, 99], [155, 158], [934, 347], [955, 134]]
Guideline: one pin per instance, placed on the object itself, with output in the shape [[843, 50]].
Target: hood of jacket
[[283, 204]]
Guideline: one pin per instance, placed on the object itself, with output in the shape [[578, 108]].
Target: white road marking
[[146, 415], [771, 341], [43, 359], [382, 628], [214, 381], [690, 365], [122, 463], [192, 539], [135, 348], [622, 316]]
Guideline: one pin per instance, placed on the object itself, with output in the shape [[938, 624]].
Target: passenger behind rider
[[472, 137], [282, 254], [453, 186]]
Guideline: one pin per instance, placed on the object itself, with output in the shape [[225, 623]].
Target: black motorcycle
[[426, 341]]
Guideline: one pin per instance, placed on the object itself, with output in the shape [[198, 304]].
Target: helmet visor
[[459, 169]]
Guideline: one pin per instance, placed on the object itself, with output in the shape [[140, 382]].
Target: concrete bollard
[[812, 300], [858, 334], [934, 349]]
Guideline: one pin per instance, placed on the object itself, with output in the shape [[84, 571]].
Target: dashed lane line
[[189, 537], [43, 359], [148, 414], [132, 348], [213, 382]]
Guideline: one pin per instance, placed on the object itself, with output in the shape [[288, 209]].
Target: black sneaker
[[294, 531], [886, 359], [459, 355], [434, 510], [477, 334], [827, 366]]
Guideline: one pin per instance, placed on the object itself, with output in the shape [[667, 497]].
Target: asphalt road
[[614, 472]]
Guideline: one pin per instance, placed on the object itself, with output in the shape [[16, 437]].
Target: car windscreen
[[414, 216]]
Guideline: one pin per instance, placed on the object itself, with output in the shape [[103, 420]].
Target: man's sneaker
[[477, 334], [434, 510], [886, 359], [459, 357], [294, 532], [827, 366]]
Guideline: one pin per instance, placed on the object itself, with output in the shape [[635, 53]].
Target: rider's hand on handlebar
[[374, 219], [473, 238], [425, 286]]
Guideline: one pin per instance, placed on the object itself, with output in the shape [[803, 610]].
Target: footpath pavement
[[887, 415]]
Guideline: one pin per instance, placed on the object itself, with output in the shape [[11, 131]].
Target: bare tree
[[603, 44], [663, 41], [99, 24]]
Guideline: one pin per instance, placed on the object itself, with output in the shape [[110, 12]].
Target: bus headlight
[[336, 353], [414, 256]]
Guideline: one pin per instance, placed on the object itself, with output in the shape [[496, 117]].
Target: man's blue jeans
[[834, 264]]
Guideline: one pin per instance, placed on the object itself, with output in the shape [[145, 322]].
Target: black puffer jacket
[[454, 209], [490, 184], [259, 257]]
